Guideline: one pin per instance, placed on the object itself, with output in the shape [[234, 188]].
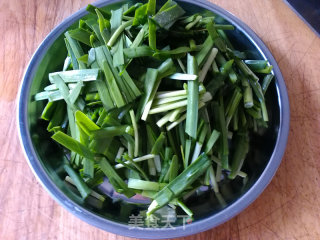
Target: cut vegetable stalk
[[92, 193], [213, 180], [104, 94], [117, 182], [187, 153], [207, 46], [157, 163], [181, 66], [73, 145], [64, 90], [76, 49], [199, 144], [81, 35], [247, 97], [224, 149], [75, 92], [207, 65], [113, 87], [109, 132], [196, 151], [175, 114], [191, 24], [161, 101], [212, 140], [193, 99], [168, 106], [170, 94], [185, 208], [152, 76], [168, 15], [164, 119], [48, 111], [88, 168], [119, 153], [173, 169], [182, 118], [145, 185], [117, 33], [179, 184], [242, 148], [85, 123], [139, 38], [183, 77], [232, 105], [137, 52], [152, 34], [92, 9], [266, 82], [78, 182], [136, 133], [156, 149], [139, 159]]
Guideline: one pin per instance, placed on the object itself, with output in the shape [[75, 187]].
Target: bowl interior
[[50, 155]]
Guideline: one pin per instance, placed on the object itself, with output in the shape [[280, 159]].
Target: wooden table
[[288, 209]]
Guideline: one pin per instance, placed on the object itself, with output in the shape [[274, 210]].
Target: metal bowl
[[44, 157]]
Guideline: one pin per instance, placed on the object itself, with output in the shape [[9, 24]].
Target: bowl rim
[[201, 225]]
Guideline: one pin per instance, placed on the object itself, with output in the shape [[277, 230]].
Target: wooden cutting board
[[288, 209]]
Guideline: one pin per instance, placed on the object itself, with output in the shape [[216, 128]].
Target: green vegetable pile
[[157, 101]]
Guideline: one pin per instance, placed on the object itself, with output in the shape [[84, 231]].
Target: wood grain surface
[[288, 209]]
